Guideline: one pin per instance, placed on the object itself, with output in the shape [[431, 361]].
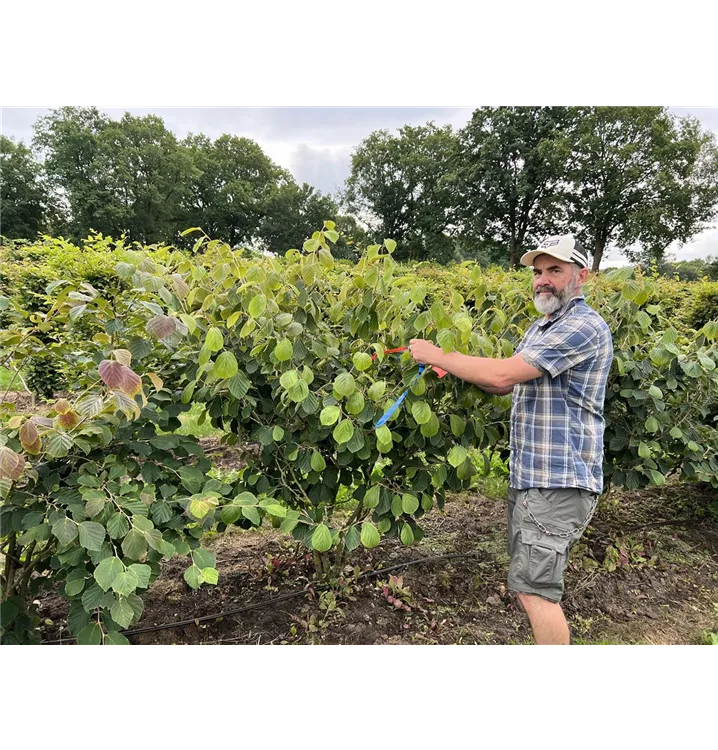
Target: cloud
[[324, 168]]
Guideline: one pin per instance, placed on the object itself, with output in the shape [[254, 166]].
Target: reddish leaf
[[111, 373], [68, 419], [29, 435], [131, 382], [62, 406], [179, 285], [9, 461], [162, 326]]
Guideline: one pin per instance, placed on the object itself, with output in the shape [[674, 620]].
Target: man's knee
[[535, 603]]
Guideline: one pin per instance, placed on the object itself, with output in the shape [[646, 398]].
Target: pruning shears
[[386, 416]]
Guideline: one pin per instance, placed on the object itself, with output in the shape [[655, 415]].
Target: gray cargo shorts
[[543, 525]]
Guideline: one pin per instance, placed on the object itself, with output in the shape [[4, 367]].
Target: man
[[558, 379]]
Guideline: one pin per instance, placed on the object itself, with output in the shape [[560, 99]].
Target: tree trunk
[[598, 249], [513, 260]]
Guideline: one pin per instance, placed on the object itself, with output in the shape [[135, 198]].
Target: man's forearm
[[485, 372]]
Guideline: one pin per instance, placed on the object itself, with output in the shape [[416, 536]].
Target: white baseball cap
[[564, 247]]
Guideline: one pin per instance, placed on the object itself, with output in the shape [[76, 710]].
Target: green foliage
[[23, 195], [277, 352]]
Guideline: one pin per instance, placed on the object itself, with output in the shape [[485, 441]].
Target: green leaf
[[226, 365], [344, 384], [657, 478], [238, 385], [421, 411], [142, 523], [321, 538], [93, 597], [257, 306], [329, 415], [371, 498], [114, 638], [117, 526], [299, 391], [74, 587], [317, 461], [165, 442], [203, 558], [209, 575], [284, 350], [431, 428], [383, 434], [58, 445], [355, 403], [409, 503], [214, 340], [655, 391], [252, 514], [407, 535], [230, 514], [652, 424], [352, 539], [390, 245], [246, 499], [458, 425], [125, 583], [143, 573], [122, 613], [457, 456], [644, 451], [369, 535], [95, 506], [91, 535], [134, 544], [192, 478], [65, 530], [290, 521], [377, 390], [362, 361], [193, 576], [106, 572], [91, 635], [343, 432]]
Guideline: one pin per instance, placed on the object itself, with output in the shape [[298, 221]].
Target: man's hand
[[424, 352]]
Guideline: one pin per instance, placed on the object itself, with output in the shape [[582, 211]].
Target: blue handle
[[387, 415]]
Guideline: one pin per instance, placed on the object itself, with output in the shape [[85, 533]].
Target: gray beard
[[557, 301]]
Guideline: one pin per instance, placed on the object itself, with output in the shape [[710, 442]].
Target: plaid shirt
[[557, 420]]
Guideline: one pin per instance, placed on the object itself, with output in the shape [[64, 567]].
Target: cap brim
[[527, 259]]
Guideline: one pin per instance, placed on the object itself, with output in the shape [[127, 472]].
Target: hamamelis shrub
[[94, 496]]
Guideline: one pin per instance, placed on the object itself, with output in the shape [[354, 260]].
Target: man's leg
[[539, 554], [548, 623]]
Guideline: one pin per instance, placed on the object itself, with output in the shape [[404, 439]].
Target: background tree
[[397, 185], [638, 175], [23, 195], [508, 184]]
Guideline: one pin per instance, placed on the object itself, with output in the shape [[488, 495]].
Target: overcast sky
[[315, 143]]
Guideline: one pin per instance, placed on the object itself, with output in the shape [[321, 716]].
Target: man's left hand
[[424, 352]]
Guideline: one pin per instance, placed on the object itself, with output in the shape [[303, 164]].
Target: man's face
[[555, 283]]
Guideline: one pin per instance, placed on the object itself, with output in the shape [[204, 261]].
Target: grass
[[6, 377]]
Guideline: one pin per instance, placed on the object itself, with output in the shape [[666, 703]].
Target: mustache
[[545, 289]]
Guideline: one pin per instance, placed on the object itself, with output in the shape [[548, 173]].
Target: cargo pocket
[[546, 558]]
